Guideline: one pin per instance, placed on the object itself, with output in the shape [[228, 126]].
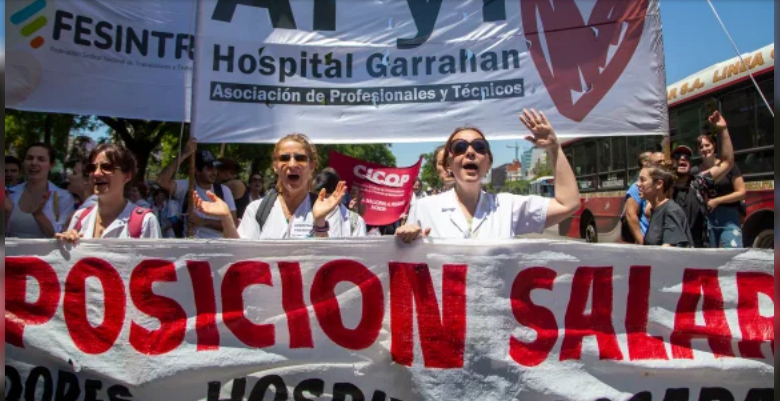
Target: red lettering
[[239, 276], [641, 346], [716, 329], [205, 305], [442, 335], [90, 339], [18, 312], [326, 305], [173, 319], [756, 329], [538, 318], [598, 281], [294, 306]]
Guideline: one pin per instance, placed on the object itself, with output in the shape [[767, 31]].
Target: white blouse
[[119, 227], [501, 216]]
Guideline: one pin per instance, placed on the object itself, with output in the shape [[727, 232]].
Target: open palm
[[215, 207], [324, 206], [543, 135]]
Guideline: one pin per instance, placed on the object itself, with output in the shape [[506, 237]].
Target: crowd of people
[[672, 203], [676, 204]]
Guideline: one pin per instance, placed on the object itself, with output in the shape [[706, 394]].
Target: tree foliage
[[429, 175], [543, 168], [375, 153], [520, 187], [23, 129]]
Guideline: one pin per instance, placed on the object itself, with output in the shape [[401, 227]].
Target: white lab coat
[[501, 216], [277, 226]]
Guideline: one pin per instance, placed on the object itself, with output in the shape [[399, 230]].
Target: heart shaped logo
[[579, 63]]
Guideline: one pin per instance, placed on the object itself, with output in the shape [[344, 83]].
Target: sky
[[693, 41]]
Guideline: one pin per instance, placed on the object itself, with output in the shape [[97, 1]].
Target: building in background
[[514, 171], [529, 159], [498, 177]]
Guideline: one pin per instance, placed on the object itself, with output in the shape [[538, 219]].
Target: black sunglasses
[[106, 168], [300, 158], [461, 146], [679, 156]]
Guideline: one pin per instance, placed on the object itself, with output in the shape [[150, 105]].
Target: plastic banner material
[[117, 58], [373, 319], [385, 192], [397, 71]]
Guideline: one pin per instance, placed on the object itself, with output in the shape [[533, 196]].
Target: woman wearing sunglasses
[[470, 212], [37, 208], [110, 168], [291, 210]]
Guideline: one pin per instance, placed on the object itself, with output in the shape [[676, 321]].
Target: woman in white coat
[[110, 168], [469, 212], [292, 211]]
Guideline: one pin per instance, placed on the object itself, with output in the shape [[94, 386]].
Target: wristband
[[322, 230]]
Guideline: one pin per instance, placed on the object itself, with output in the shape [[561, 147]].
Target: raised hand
[[42, 203], [543, 135], [190, 148], [71, 237], [216, 208], [718, 121], [324, 206]]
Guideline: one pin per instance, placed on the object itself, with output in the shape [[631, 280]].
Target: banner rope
[[739, 54]]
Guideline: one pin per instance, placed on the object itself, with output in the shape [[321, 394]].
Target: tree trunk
[[48, 127], [142, 150]]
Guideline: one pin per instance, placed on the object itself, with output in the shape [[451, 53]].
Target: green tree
[[375, 153], [543, 169], [23, 128], [517, 187], [429, 174], [142, 137]]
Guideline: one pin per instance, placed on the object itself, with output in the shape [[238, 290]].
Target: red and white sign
[[386, 191], [376, 320]]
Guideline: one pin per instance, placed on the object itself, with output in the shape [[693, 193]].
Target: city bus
[[606, 167], [543, 186]]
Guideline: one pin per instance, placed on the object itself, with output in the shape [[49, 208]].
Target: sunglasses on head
[[300, 158], [461, 146], [106, 168]]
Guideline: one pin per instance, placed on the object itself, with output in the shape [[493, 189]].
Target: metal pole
[[739, 54]]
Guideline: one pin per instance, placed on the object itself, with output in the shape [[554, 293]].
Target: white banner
[[398, 71], [375, 320], [116, 58]]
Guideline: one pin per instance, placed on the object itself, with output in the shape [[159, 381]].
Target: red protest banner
[[386, 191]]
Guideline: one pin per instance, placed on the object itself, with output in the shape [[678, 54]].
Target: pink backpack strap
[[83, 216], [135, 225]]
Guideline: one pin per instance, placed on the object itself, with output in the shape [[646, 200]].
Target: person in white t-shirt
[[469, 212], [110, 168], [37, 208], [204, 226], [295, 213]]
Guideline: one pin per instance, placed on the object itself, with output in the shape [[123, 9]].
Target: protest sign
[[116, 58], [396, 71], [373, 319], [385, 191]]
